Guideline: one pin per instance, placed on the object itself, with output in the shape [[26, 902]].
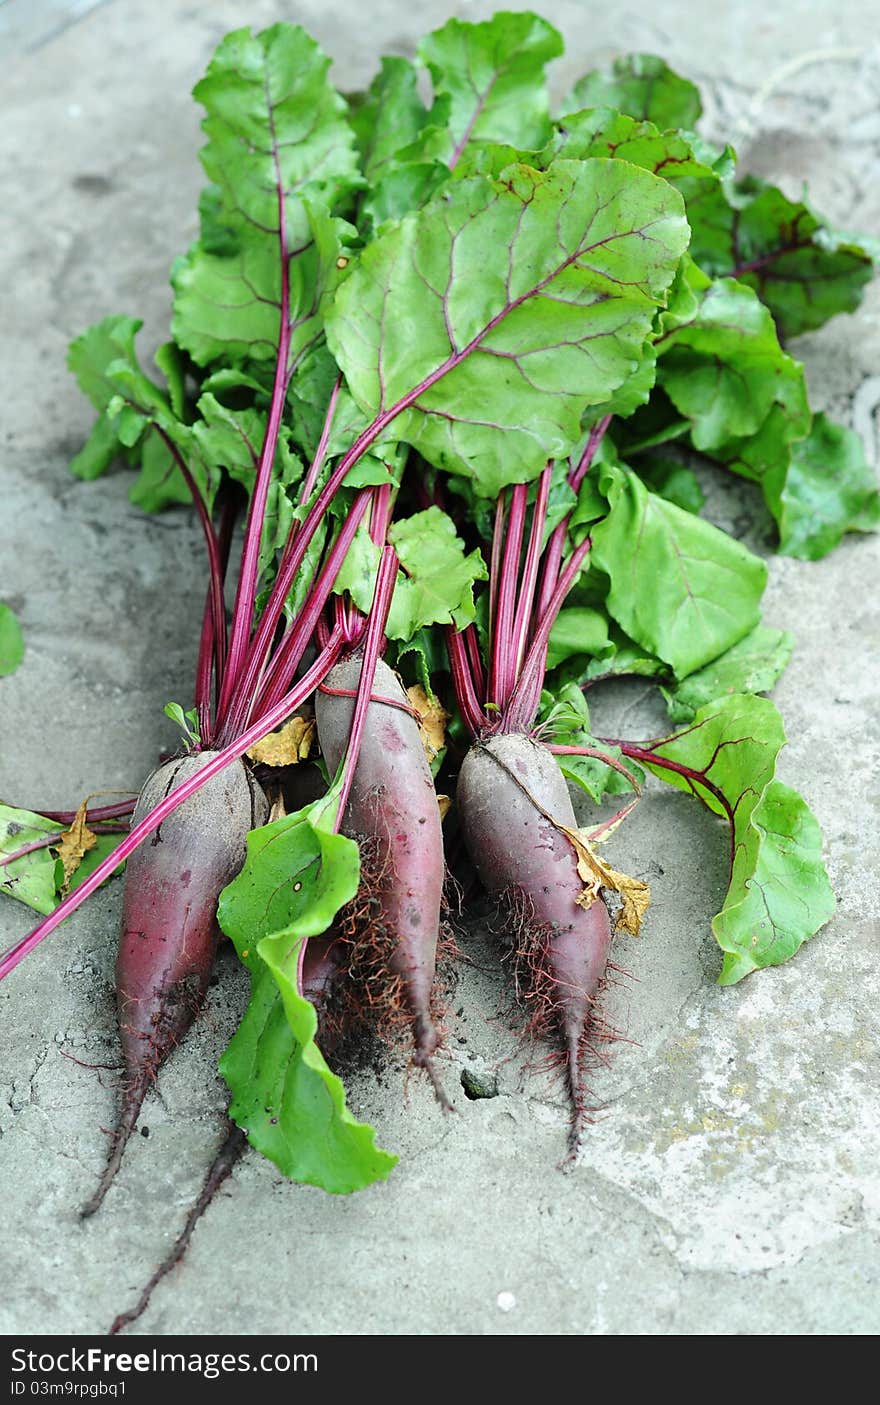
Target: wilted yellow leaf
[[75, 843], [286, 747], [596, 874], [432, 720], [444, 804]]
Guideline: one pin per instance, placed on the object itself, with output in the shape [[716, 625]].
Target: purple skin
[[393, 801], [513, 846], [321, 965], [169, 922]]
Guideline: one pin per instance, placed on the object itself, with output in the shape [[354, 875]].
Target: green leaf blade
[[297, 875], [752, 666], [778, 893], [641, 86], [489, 79], [11, 641], [491, 364], [680, 587]]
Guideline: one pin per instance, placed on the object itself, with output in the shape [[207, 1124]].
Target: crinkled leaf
[[436, 579], [595, 874], [778, 893], [643, 86], [723, 368], [389, 116], [491, 363], [564, 719], [11, 641], [751, 666], [100, 346], [489, 80], [288, 746], [803, 270], [679, 587], [98, 452], [296, 877], [33, 879], [601, 131], [830, 489], [276, 132]]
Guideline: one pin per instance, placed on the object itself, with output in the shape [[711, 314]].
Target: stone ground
[[731, 1185]]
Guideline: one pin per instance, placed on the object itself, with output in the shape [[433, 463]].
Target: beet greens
[[437, 380]]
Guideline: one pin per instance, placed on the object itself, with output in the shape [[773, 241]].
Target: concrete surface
[[731, 1186]]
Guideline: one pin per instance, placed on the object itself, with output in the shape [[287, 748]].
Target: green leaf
[[580, 633], [751, 666], [643, 86], [98, 452], [778, 894], [160, 483], [491, 363], [436, 579], [673, 481], [829, 490], [723, 368], [489, 79], [169, 359], [681, 588], [564, 719], [11, 641], [601, 131], [35, 878], [390, 115], [100, 346], [800, 267], [276, 132], [765, 457], [297, 875]]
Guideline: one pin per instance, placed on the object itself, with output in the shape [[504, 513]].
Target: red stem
[[94, 816], [214, 559], [695, 778], [463, 682], [295, 640], [294, 699], [243, 610], [597, 434], [311, 477], [502, 674], [386, 578], [526, 599], [472, 647], [526, 696]]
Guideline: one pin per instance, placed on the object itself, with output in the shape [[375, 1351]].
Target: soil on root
[[538, 1008], [364, 1012]]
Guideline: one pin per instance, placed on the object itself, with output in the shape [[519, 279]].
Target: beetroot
[[169, 928], [508, 787], [393, 805]]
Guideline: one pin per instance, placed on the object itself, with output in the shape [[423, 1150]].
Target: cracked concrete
[[730, 1185]]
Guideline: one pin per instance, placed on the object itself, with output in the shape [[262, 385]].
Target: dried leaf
[[278, 810], [445, 804], [432, 720], [292, 744], [596, 874], [75, 843]]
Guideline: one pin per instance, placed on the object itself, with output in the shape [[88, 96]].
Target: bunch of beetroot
[[447, 366]]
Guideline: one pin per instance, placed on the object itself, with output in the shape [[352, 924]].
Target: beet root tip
[[134, 1100]]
